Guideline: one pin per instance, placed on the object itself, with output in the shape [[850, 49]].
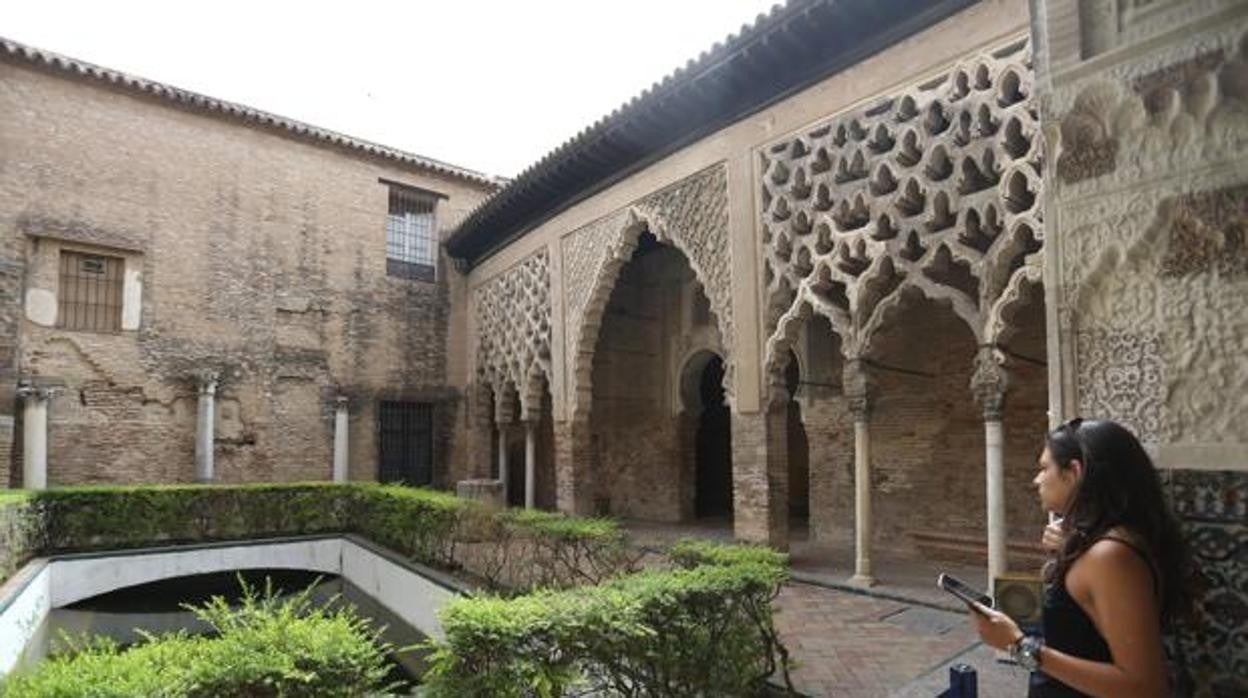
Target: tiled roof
[[16, 51], [787, 50]]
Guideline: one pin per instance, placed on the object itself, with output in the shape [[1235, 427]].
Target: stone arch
[[639, 219], [688, 399], [999, 326]]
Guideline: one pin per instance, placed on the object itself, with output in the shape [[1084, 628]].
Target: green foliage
[[20, 531], [81, 518], [528, 549], [423, 524], [702, 631], [689, 553], [267, 646]]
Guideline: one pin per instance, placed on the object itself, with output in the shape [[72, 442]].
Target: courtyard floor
[[898, 638]]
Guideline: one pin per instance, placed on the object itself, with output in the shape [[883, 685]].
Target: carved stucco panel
[[1122, 376], [513, 327]]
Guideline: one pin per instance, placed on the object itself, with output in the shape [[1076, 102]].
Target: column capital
[[858, 379], [991, 382], [341, 401], [36, 393], [207, 380]]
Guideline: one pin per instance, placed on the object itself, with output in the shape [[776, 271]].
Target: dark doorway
[[714, 446], [798, 447], [405, 430]]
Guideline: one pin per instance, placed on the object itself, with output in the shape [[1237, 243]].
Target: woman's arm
[[1114, 587]]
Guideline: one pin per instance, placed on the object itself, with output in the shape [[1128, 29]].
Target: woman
[[1119, 573]]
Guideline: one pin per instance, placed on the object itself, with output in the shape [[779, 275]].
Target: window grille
[[89, 292], [405, 430], [411, 250]]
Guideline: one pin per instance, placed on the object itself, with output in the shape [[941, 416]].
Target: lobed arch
[[621, 241]]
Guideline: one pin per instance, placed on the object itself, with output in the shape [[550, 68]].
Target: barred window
[[89, 292], [411, 250]]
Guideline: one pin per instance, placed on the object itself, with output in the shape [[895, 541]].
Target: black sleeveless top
[[1068, 629]]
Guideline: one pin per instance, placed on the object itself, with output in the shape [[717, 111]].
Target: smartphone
[[963, 591]]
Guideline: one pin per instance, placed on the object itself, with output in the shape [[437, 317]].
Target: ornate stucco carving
[[932, 189], [990, 382], [1153, 254], [513, 329], [692, 215]]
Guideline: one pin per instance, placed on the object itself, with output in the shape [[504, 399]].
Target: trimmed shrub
[[84, 518], [20, 531], [706, 630], [523, 549], [689, 552], [265, 647], [423, 524]]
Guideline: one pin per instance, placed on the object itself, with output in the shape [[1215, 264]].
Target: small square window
[[89, 292], [411, 248]]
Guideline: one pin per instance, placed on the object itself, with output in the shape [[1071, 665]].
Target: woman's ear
[[1076, 468]]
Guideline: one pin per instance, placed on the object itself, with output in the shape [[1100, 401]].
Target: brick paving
[[897, 639], [859, 646]]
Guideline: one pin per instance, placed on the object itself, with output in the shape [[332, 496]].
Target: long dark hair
[[1120, 487]]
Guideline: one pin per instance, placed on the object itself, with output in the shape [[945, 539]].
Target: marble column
[[530, 463], [503, 465], [35, 436], [989, 384], [205, 425], [860, 394], [341, 436]]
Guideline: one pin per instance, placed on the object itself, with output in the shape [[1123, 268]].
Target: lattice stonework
[[513, 325], [935, 188]]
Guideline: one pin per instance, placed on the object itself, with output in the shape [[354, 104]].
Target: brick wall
[[260, 256]]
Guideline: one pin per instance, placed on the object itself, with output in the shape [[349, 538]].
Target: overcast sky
[[490, 85]]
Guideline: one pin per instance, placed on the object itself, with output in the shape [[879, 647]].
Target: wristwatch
[[1026, 652]]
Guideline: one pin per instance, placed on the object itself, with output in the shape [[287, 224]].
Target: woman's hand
[[1054, 537], [995, 628]]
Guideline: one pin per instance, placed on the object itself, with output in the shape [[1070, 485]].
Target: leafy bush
[[20, 531], [81, 518], [423, 524], [690, 553], [706, 630], [525, 549], [268, 646]]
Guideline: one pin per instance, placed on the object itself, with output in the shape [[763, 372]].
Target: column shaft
[[341, 435], [864, 574], [995, 458], [35, 441], [530, 464], [502, 459], [204, 431]]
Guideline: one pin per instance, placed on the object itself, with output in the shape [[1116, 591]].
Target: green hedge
[[512, 550], [265, 647], [705, 630], [20, 531]]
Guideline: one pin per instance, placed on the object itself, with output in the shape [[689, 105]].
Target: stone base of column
[[862, 580], [760, 479], [574, 491], [485, 491]]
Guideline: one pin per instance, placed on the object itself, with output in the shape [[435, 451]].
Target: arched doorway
[[713, 451], [798, 448]]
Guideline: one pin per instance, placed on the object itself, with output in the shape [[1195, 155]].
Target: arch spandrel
[[514, 328], [692, 216], [925, 190]]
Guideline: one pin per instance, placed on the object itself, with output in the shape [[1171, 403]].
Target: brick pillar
[[573, 458], [760, 477], [989, 385], [480, 435]]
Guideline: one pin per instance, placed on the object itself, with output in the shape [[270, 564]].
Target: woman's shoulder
[[1113, 557]]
